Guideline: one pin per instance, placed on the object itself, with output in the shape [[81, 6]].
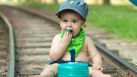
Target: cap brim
[[58, 13]]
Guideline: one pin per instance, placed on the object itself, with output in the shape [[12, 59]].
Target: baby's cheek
[[63, 27]]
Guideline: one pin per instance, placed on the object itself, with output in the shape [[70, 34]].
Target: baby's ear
[[83, 21], [58, 19]]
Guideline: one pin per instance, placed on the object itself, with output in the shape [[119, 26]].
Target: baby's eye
[[74, 21], [65, 20]]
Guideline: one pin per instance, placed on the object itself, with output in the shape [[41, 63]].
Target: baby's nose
[[69, 25]]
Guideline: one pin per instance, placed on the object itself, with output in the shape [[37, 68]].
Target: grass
[[118, 20], [35, 4]]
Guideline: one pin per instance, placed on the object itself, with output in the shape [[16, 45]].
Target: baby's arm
[[59, 46], [94, 54]]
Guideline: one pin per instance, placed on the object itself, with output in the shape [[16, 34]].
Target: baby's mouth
[[68, 29]]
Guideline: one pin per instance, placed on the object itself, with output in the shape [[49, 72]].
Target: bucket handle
[[72, 52]]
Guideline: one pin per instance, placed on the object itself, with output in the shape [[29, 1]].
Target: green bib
[[76, 42]]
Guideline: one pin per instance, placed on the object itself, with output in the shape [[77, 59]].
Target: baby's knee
[[108, 75], [97, 73], [49, 71]]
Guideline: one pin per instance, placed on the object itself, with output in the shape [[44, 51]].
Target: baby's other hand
[[97, 67]]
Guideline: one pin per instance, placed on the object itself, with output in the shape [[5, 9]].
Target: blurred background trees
[[107, 2], [92, 2]]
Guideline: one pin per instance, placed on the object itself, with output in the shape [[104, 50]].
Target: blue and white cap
[[78, 6]]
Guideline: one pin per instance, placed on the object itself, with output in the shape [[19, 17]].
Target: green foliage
[[119, 20], [39, 5], [31, 1]]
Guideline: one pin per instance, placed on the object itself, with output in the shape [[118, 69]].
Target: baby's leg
[[49, 71], [97, 73]]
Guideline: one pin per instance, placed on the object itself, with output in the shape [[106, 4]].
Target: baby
[[72, 16]]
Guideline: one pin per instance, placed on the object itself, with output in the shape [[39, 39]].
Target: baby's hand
[[67, 37], [97, 67]]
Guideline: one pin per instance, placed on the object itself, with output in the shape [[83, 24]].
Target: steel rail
[[11, 57], [114, 57]]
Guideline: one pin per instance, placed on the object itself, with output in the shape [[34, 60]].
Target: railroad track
[[3, 48], [33, 35]]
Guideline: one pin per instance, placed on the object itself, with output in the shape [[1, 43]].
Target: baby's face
[[71, 20]]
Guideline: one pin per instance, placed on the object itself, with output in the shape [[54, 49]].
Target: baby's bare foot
[[107, 75]]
